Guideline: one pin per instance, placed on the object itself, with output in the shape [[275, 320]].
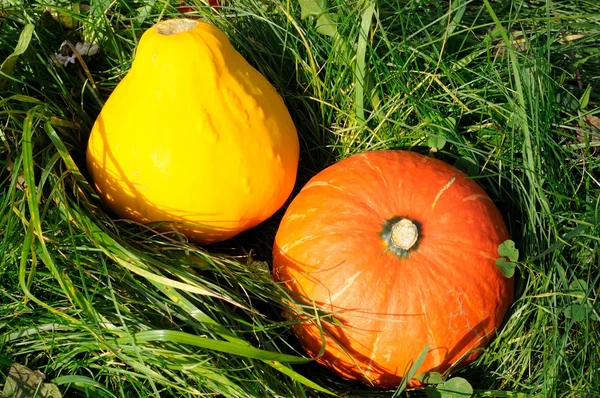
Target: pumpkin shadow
[[357, 366], [393, 377]]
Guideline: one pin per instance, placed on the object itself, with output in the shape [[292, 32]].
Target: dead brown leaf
[[23, 382], [20, 176], [593, 121]]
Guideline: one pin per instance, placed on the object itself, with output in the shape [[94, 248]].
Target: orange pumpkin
[[400, 248]]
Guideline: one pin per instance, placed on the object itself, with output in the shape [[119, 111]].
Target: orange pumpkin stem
[[404, 234]]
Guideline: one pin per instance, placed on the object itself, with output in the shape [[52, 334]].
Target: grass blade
[[360, 73], [10, 62], [170, 336]]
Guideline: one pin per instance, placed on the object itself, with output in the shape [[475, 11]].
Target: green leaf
[[508, 249], [561, 274], [506, 267], [583, 308], [450, 122], [325, 22], [593, 315], [458, 9], [466, 60], [98, 7], [579, 287], [576, 312], [585, 98], [567, 101], [326, 25], [456, 387], [312, 7], [11, 61], [430, 377], [436, 141]]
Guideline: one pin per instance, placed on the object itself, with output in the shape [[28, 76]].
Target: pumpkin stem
[[404, 234], [175, 26]]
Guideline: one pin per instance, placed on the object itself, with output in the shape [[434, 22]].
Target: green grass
[[507, 91]]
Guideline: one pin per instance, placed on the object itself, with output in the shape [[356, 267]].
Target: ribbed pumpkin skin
[[447, 293], [194, 134]]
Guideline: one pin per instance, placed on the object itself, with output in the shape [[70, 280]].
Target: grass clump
[[506, 91]]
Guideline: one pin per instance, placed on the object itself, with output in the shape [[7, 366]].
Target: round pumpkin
[[399, 250], [193, 135]]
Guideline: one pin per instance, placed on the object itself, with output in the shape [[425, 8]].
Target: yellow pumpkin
[[193, 136]]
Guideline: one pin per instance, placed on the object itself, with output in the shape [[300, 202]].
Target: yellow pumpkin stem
[[175, 26], [404, 234]]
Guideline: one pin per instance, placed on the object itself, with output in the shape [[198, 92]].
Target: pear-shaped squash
[[193, 136]]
